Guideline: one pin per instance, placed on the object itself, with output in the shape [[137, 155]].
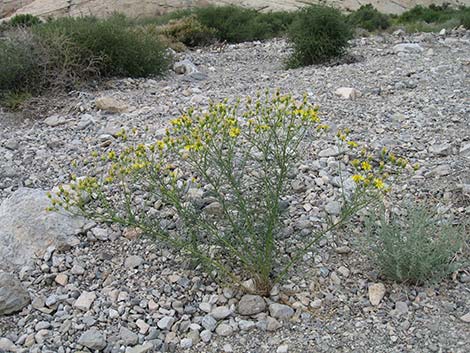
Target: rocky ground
[[107, 289]]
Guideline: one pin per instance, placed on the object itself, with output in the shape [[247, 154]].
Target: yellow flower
[[366, 166], [160, 145], [234, 132], [378, 183], [357, 178]]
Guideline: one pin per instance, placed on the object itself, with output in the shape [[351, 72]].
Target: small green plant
[[367, 17], [318, 34], [212, 187], [417, 247], [26, 20], [14, 100]]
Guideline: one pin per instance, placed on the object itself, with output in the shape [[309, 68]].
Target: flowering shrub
[[212, 186]]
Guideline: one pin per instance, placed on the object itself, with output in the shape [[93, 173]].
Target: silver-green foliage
[[418, 247]]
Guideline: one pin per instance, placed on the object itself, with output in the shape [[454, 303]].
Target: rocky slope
[[136, 8]]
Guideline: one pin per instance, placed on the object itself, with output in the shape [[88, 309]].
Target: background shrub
[[369, 18], [122, 52], [417, 247], [19, 69], [236, 24], [26, 20], [318, 34], [189, 31]]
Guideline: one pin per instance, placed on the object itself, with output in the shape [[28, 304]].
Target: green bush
[[19, 63], [367, 17], [318, 34], [236, 24], [121, 51], [465, 17], [431, 14], [416, 248], [26, 20]]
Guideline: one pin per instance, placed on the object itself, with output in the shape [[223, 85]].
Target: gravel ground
[[115, 293]]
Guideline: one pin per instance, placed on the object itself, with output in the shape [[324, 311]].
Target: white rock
[[282, 349], [376, 293], [466, 317], [141, 348], [186, 343], [348, 93], [407, 48]]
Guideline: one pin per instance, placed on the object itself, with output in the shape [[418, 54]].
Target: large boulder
[[27, 229], [13, 297]]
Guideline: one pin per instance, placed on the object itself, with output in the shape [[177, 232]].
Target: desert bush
[[318, 34], [236, 24], [19, 69], [25, 20], [432, 14], [417, 247], [465, 17], [212, 187], [367, 17], [122, 52], [189, 31]]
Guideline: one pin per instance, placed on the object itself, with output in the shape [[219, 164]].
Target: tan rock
[[62, 279], [110, 104], [376, 293]]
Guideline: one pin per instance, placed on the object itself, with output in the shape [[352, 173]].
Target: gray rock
[[333, 208], [110, 104], [27, 229], [246, 325], [141, 348], [206, 336], [128, 337], [166, 322], [186, 343], [93, 339], [85, 300], [401, 307], [281, 311], [13, 297], [224, 330], [133, 261], [251, 305], [221, 312], [209, 323], [7, 346], [55, 120]]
